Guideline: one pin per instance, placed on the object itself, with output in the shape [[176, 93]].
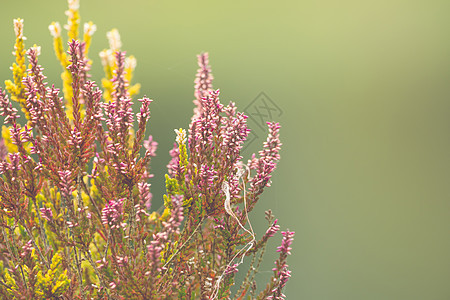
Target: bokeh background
[[363, 95]]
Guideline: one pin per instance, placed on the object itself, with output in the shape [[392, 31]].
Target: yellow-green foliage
[[177, 186], [48, 285], [9, 280], [130, 66], [52, 200], [84, 199], [168, 252], [183, 156], [55, 29], [73, 20], [166, 213], [94, 192], [54, 282], [73, 24], [6, 135], [173, 189], [89, 29], [19, 68]]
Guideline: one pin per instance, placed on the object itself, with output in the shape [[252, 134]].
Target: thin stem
[[260, 259], [107, 245], [23, 276], [5, 285], [80, 276], [66, 230], [97, 210], [5, 237], [12, 254], [131, 217], [249, 272], [36, 246], [176, 252], [41, 225], [87, 254], [78, 259]]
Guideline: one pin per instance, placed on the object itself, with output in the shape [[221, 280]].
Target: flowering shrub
[[75, 202]]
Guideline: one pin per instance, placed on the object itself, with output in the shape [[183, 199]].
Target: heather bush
[[75, 199]]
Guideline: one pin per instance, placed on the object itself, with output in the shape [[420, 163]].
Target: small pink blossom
[[47, 213], [112, 214], [151, 146], [288, 238]]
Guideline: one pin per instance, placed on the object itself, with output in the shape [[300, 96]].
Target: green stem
[[131, 218], [41, 225], [87, 254], [36, 246]]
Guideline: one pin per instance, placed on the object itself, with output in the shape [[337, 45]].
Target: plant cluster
[[75, 200]]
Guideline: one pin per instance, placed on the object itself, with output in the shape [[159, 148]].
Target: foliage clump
[[75, 201]]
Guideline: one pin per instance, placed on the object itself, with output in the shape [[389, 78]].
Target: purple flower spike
[[6, 109], [112, 214], [144, 194], [47, 213], [203, 83], [65, 183], [272, 229], [150, 145], [288, 238], [3, 150]]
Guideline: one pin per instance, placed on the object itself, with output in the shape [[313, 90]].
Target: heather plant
[[75, 199]]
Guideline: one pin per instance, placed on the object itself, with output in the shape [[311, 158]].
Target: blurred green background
[[363, 89]]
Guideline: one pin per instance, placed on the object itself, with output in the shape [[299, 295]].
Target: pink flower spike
[[144, 194], [273, 229], [3, 150], [231, 269], [203, 83], [151, 146], [288, 238], [112, 213], [65, 183], [46, 213]]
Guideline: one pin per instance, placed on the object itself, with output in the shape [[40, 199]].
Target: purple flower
[[144, 194], [272, 145], [65, 183], [101, 263], [14, 164], [207, 175], [150, 145], [284, 276], [234, 133], [281, 272], [140, 210], [173, 164], [27, 249], [267, 162], [161, 238], [231, 269], [46, 213], [75, 138], [6, 109], [203, 82], [3, 150], [288, 238], [112, 214], [272, 229], [145, 109], [121, 261]]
